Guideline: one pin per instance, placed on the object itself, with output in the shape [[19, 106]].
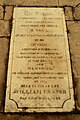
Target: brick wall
[[72, 15]]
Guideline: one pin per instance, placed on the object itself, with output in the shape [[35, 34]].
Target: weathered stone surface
[[74, 41], [4, 43], [1, 12], [17, 117], [40, 116], [75, 45], [8, 12], [68, 13], [1, 2], [68, 2], [77, 12], [31, 2], [4, 28], [76, 67], [77, 90]]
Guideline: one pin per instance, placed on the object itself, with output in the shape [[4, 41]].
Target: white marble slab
[[39, 71]]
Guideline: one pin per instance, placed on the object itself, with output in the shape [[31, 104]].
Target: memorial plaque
[[39, 71]]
